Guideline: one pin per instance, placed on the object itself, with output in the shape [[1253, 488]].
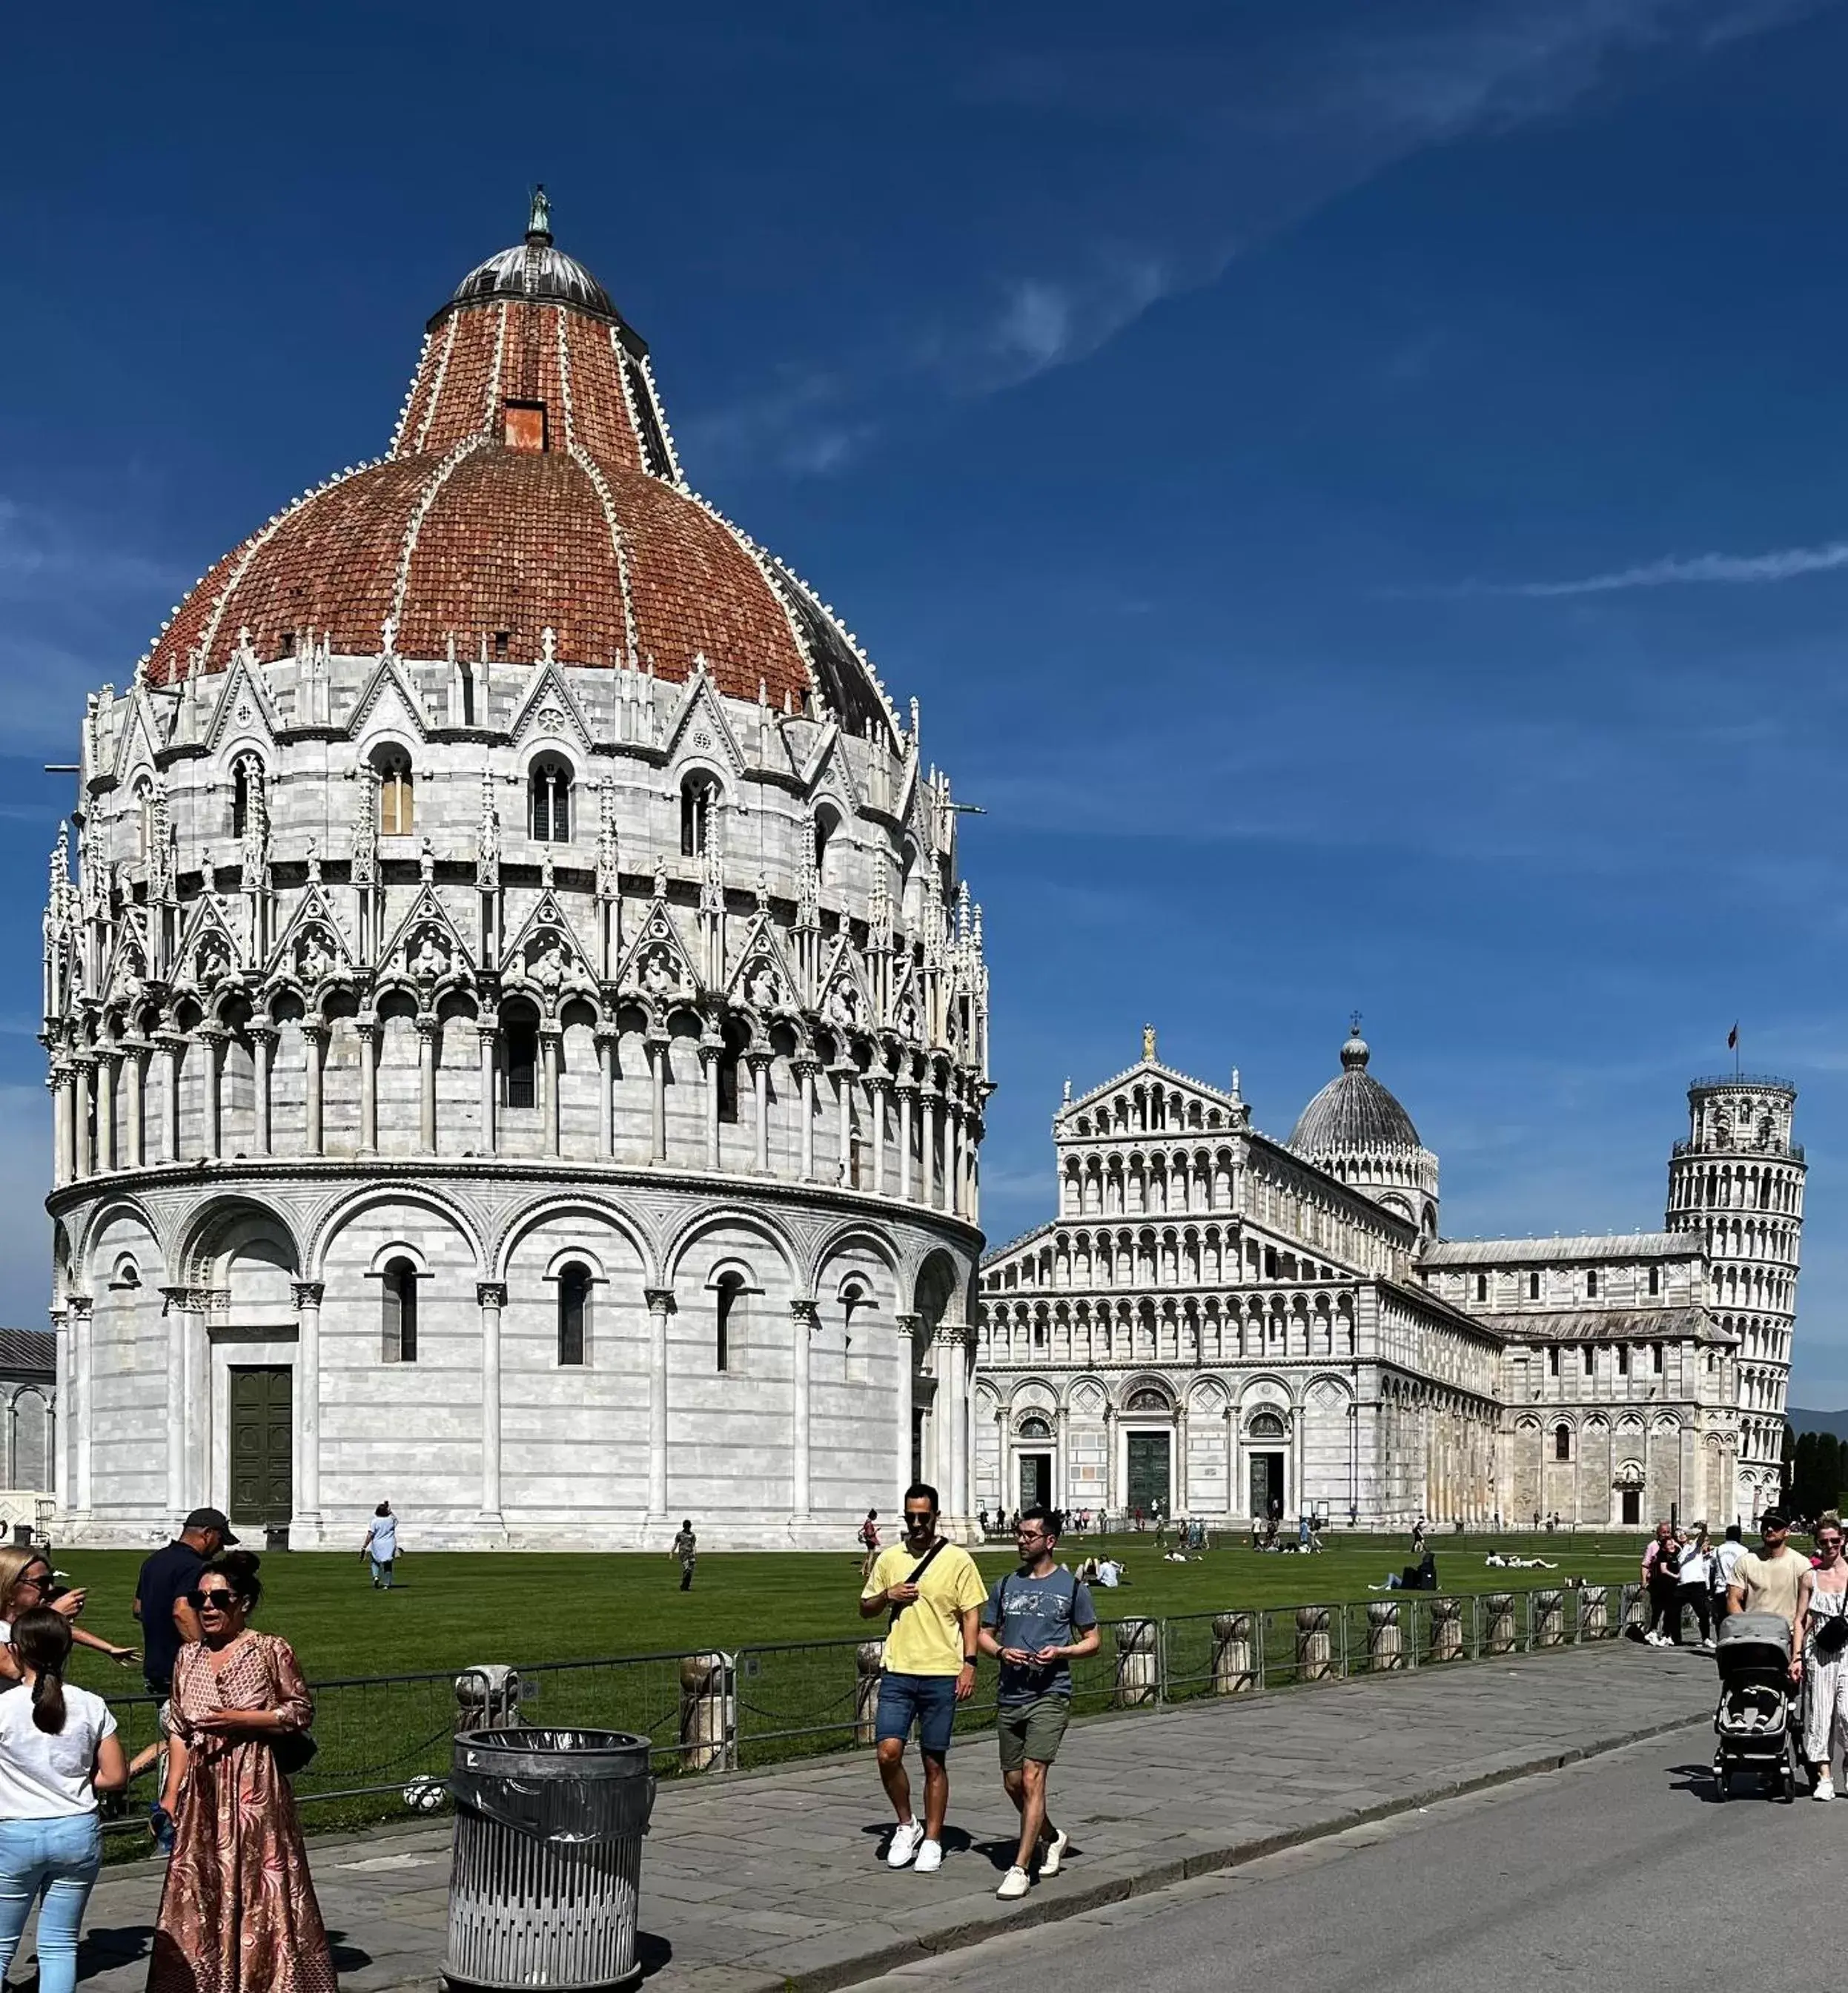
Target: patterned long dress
[[238, 1913]]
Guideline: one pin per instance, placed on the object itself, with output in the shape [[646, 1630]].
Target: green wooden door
[[262, 1460], [1148, 1470]]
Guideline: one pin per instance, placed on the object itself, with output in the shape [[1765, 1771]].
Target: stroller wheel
[[1721, 1790]]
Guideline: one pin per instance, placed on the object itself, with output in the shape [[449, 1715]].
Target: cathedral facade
[[518, 1034], [1235, 1327]]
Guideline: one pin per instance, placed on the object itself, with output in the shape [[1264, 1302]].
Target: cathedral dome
[[531, 486], [1353, 1114]]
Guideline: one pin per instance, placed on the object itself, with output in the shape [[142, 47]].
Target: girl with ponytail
[[58, 1749]]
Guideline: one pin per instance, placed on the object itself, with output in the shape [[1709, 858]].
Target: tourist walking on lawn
[[1038, 1620], [934, 1593], [1821, 1643], [58, 1749], [381, 1546], [870, 1542], [238, 1913], [686, 1547]]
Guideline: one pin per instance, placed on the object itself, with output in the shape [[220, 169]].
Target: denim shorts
[[930, 1700]]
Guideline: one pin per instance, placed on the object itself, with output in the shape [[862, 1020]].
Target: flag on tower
[[1732, 1039]]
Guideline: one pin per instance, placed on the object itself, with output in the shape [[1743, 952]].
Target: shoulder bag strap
[[930, 1558]]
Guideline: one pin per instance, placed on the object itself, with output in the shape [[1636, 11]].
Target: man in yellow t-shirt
[[934, 1594]]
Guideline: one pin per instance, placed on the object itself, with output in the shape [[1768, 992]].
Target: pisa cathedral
[[517, 1029], [1232, 1325]]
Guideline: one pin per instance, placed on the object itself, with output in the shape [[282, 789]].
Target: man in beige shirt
[[1770, 1580]]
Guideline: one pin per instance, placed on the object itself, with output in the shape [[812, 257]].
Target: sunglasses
[[216, 1601]]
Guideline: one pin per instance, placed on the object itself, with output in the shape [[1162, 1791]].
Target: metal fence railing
[[384, 1742]]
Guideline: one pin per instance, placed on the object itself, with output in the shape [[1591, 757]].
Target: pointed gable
[[762, 978], [701, 725], [546, 959], [208, 950], [550, 707], [244, 705], [313, 949], [427, 952], [656, 965]]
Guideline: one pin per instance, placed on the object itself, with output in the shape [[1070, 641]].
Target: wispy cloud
[[1201, 148], [1676, 570], [40, 552]]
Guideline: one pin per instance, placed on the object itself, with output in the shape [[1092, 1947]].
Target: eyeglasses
[[1029, 1536], [213, 1601], [34, 1580]]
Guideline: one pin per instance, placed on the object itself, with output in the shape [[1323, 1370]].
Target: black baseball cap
[[1774, 1519], [211, 1519]]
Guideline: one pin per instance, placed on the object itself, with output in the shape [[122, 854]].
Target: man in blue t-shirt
[[1038, 1620]]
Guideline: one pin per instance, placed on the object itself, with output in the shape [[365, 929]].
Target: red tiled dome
[[531, 485]]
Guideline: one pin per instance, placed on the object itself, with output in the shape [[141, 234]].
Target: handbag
[[1832, 1636], [293, 1750]]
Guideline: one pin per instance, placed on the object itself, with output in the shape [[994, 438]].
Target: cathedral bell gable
[[125, 971], [656, 967], [243, 706], [208, 951], [313, 949], [1227, 1107], [550, 708], [546, 960], [761, 980], [387, 694], [428, 954], [844, 1001], [700, 728]]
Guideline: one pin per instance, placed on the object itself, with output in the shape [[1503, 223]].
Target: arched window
[[726, 1289], [1561, 1442], [395, 812], [1482, 1287], [1533, 1287], [400, 1325], [520, 1059], [1656, 1280], [1591, 1287], [144, 818], [548, 801], [240, 798], [826, 824], [697, 797], [736, 1038], [853, 1299], [574, 1309]]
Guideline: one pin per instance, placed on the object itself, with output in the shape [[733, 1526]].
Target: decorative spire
[[538, 218], [1148, 1045], [1354, 1053]]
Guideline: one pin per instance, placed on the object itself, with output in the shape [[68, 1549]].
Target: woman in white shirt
[[58, 1749], [1696, 1585]]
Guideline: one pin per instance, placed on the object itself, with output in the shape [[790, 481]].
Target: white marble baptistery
[[517, 1037]]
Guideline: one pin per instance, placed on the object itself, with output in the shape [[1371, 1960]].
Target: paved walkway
[[755, 1883]]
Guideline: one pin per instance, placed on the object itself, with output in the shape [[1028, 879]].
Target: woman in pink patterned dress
[[238, 1914]]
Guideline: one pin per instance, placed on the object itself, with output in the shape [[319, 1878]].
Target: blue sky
[[1359, 490]]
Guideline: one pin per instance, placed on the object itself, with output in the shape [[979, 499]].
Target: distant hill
[[1802, 1421]]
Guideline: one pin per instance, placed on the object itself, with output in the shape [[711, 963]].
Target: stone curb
[[1072, 1903]]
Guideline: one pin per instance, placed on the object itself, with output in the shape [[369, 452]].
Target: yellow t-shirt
[[1772, 1585], [927, 1638]]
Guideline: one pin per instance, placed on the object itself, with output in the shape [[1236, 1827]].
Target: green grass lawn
[[448, 1611]]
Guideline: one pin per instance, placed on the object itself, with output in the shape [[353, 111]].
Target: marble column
[[952, 1388], [368, 1030], [711, 1057], [759, 1063], [844, 1077], [803, 1319], [490, 1297], [906, 1326], [108, 1064], [83, 1126], [64, 1165], [210, 1040], [808, 1068], [314, 1059], [1110, 1468], [64, 1426], [878, 1091], [551, 1044], [134, 1070], [179, 1301], [487, 1031], [307, 1295], [907, 1100], [605, 1092], [263, 1051], [657, 1043], [83, 1412], [427, 1029], [175, 1046], [661, 1305]]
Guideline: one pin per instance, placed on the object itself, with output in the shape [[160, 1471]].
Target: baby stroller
[[1756, 1720]]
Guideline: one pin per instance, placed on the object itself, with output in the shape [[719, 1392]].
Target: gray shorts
[[1031, 1730]]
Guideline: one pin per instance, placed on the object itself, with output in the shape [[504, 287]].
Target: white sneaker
[[1055, 1854], [929, 1858], [1823, 1789], [904, 1844], [1014, 1885]]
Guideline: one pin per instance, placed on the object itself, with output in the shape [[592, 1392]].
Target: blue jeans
[[57, 1859], [929, 1700]]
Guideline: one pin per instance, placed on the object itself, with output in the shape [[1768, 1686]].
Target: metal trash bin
[[546, 1881]]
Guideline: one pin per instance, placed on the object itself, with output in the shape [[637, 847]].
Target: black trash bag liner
[[567, 1787]]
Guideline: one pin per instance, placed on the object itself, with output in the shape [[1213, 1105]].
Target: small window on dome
[[523, 425], [501, 641]]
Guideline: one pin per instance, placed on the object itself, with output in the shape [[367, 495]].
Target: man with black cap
[[167, 1620]]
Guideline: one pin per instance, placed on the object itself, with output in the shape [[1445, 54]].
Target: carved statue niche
[[428, 957], [314, 958], [764, 987]]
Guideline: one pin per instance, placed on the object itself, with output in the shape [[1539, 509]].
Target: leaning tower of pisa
[[1738, 1178]]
